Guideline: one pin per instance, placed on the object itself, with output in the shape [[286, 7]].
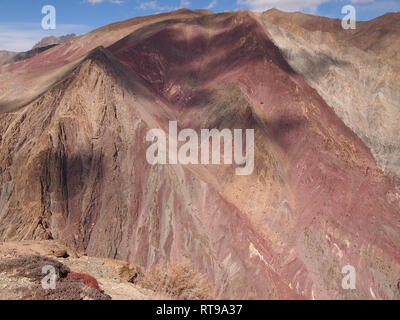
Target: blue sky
[[20, 20]]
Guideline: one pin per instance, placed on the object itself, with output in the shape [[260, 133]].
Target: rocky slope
[[53, 40], [73, 160], [357, 72]]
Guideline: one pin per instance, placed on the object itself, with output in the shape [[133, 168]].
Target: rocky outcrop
[[53, 40]]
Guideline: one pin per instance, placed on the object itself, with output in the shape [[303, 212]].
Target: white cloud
[[361, 1], [373, 8], [151, 5], [286, 5], [184, 4], [212, 4], [100, 1], [23, 36]]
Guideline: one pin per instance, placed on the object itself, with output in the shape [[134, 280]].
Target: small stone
[[60, 253]]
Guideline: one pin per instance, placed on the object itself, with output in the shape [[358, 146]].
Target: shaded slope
[[29, 54]]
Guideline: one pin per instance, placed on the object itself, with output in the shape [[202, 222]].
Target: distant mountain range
[[53, 40], [43, 45]]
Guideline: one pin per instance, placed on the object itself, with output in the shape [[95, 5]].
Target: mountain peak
[[53, 40]]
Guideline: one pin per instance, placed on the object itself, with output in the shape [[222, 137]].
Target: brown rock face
[[73, 163]]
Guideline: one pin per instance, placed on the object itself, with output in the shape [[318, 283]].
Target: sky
[[21, 20]]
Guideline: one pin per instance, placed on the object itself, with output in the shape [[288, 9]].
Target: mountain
[[9, 57], [357, 72], [6, 55], [21, 56], [73, 164], [53, 40]]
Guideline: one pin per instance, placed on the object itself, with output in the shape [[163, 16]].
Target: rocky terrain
[[53, 40], [325, 191], [356, 72], [107, 272]]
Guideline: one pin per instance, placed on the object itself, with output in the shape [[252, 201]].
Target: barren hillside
[[324, 191]]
